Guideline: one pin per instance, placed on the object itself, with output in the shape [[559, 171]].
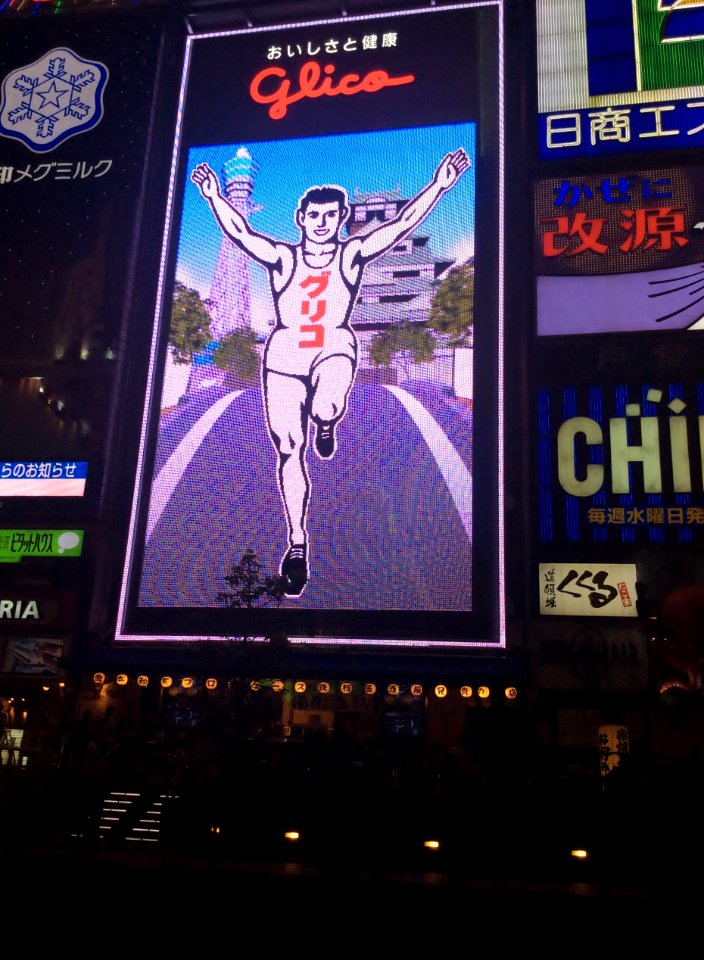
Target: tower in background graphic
[[229, 301]]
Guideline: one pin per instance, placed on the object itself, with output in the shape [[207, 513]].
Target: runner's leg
[[332, 381], [286, 405]]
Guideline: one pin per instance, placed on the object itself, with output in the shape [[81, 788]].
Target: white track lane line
[[451, 465], [174, 468]]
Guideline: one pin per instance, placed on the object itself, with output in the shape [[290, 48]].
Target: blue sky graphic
[[369, 162]]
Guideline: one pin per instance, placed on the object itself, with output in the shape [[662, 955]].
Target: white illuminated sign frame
[[124, 633]]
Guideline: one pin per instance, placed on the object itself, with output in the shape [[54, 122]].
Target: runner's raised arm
[[256, 245], [378, 241]]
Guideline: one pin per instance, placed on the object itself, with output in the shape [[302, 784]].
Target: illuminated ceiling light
[[292, 835], [579, 854], [45, 689], [431, 844]]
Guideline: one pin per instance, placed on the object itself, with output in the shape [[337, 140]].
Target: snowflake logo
[[52, 99]]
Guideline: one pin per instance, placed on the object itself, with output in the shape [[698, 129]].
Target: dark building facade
[[549, 365]]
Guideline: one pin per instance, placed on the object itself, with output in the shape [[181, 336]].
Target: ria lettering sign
[[19, 610]]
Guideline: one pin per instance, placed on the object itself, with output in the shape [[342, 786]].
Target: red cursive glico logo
[[311, 85]]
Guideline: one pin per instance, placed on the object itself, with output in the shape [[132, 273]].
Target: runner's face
[[320, 222]]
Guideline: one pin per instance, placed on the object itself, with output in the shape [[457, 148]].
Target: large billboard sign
[[619, 76], [620, 253], [324, 386]]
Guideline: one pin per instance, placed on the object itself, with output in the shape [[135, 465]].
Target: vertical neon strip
[[572, 532], [149, 398], [683, 500], [656, 531], [625, 499], [600, 531], [544, 468], [500, 345]]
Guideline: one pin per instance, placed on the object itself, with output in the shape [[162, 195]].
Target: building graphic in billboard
[[319, 349], [621, 463], [620, 253], [619, 76]]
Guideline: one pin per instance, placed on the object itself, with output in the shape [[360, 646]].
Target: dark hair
[[323, 195]]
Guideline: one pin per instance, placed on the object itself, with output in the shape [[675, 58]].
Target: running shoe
[[325, 441], [294, 569]]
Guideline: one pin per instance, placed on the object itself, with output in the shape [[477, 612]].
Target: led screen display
[[325, 376], [620, 252], [619, 76], [43, 478], [37, 655]]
